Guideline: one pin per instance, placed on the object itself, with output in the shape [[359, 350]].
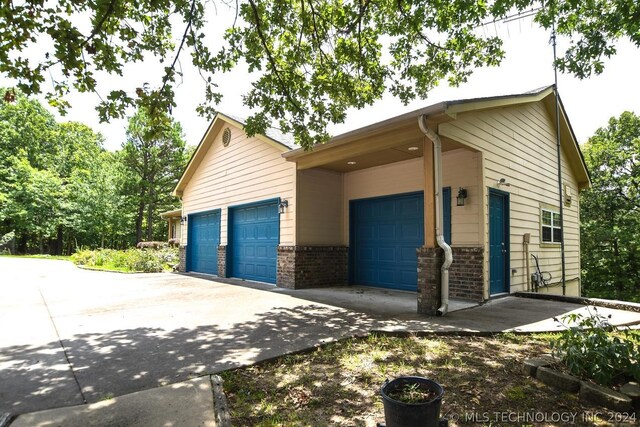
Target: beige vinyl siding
[[393, 178], [462, 168], [248, 170], [519, 144], [320, 205]]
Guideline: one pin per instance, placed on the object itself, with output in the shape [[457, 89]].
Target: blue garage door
[[204, 238], [255, 234], [385, 233]]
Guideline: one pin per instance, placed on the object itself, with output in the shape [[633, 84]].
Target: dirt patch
[[339, 385]]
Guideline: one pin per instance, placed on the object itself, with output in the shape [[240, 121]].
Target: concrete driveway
[[70, 336]]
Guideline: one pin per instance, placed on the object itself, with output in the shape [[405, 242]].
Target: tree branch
[[96, 30], [165, 79], [272, 61], [98, 27]]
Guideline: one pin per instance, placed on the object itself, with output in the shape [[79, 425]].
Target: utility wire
[[510, 18]]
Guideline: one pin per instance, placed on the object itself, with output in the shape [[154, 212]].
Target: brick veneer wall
[[286, 267], [429, 263], [465, 274], [301, 267], [222, 261], [182, 253]]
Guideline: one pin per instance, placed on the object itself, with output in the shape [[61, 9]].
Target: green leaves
[[57, 185], [313, 59], [610, 211], [591, 348], [593, 27]]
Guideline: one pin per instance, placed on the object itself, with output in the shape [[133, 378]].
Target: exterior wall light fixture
[[462, 194], [283, 205], [183, 220]]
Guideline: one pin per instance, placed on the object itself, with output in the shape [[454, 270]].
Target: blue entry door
[[204, 238], [254, 237], [385, 233], [498, 242]]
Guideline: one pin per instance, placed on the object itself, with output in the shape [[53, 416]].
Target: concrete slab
[[508, 314], [129, 333], [377, 302], [126, 333], [188, 404]]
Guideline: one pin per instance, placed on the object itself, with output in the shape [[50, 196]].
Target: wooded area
[[60, 190], [610, 211]]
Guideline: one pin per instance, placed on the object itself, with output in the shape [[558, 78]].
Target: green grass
[[111, 267], [40, 256]]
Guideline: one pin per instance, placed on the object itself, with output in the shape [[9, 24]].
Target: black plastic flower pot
[[402, 414]]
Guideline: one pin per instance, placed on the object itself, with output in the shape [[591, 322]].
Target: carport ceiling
[[405, 151]]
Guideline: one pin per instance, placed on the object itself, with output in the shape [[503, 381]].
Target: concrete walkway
[[184, 404], [130, 345]]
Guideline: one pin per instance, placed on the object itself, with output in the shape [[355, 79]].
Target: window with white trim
[[551, 226]]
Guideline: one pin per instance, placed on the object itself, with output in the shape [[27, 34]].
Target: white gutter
[[448, 255]]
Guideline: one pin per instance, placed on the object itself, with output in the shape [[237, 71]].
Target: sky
[[528, 65]]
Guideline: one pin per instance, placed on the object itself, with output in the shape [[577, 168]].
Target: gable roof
[[272, 136], [439, 112], [448, 110]]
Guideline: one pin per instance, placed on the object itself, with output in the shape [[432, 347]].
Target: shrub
[[591, 347], [141, 260]]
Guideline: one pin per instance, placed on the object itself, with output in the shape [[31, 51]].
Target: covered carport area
[[373, 192]]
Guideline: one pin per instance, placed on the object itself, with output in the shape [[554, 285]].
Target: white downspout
[[448, 254]]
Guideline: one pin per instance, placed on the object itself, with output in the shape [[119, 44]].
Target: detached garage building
[[361, 208]]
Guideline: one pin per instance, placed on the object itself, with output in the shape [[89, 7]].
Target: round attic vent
[[226, 137]]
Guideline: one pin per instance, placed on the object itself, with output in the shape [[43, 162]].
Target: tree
[[153, 156], [58, 187], [315, 58], [610, 211], [31, 191]]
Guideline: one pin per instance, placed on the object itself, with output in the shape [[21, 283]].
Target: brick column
[[465, 274], [182, 253], [286, 272], [429, 263], [222, 261]]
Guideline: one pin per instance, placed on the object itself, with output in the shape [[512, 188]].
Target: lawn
[[339, 384], [41, 256]]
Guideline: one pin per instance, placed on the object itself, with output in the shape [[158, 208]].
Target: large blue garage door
[[204, 238], [254, 237], [385, 233]]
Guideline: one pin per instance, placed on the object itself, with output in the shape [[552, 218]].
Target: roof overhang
[[177, 213], [214, 128], [389, 141], [569, 143]]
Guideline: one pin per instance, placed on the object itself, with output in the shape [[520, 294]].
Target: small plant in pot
[[411, 402]]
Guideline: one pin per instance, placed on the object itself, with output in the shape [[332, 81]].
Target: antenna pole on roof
[[558, 152]]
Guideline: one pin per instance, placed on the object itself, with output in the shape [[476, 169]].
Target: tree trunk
[[139, 218], [150, 222], [22, 244], [59, 242]]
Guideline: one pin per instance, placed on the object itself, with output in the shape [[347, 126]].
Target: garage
[[385, 233], [254, 235], [204, 238]]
